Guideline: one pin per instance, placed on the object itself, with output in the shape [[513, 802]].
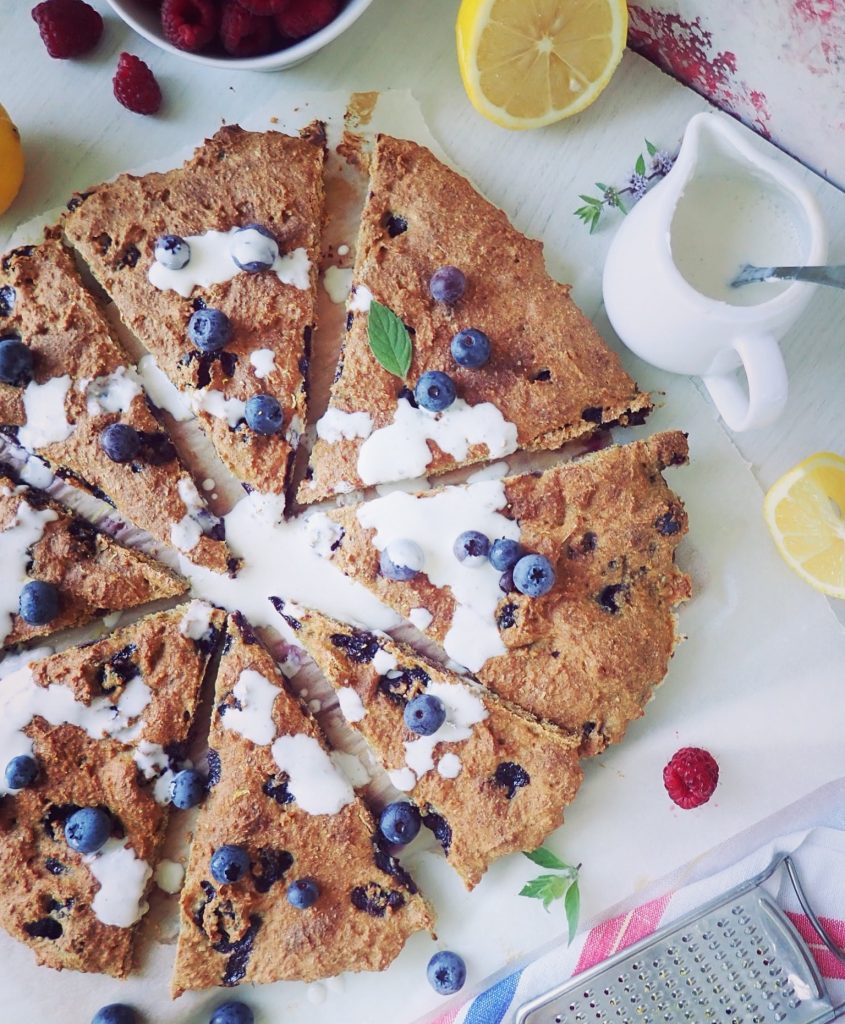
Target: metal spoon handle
[[834, 276]]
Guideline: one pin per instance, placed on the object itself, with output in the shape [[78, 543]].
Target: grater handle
[[792, 871]]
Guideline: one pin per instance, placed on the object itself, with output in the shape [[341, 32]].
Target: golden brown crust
[[63, 327], [261, 937], [93, 573], [516, 776], [588, 656], [235, 178], [550, 373], [48, 888]]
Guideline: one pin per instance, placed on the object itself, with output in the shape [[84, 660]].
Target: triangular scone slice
[[41, 539], [106, 723], [83, 382], [550, 377], [490, 781], [276, 792], [234, 179], [589, 654]]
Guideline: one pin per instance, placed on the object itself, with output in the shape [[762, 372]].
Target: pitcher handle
[[767, 390]]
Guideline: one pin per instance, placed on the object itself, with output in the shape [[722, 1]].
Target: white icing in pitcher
[[44, 405], [314, 781], [256, 695]]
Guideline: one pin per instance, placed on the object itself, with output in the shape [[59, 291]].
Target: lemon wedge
[[11, 161], [805, 511], [527, 63]]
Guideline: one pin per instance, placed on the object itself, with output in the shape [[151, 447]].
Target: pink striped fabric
[[828, 964], [619, 932]]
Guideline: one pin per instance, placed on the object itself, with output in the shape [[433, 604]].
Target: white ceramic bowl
[[145, 20]]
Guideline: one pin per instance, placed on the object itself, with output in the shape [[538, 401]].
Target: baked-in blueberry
[[115, 1013], [533, 575], [401, 560], [253, 248], [229, 863], [435, 391], [263, 414], [425, 714], [471, 348], [187, 789], [471, 548], [209, 329], [232, 1012], [504, 553], [87, 829], [303, 893], [446, 972], [15, 362], [400, 822], [120, 442], [21, 771], [38, 603], [447, 285], [172, 252]]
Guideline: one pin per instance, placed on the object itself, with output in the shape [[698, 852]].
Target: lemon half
[[11, 161]]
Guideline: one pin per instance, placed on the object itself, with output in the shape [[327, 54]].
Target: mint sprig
[[390, 340], [549, 888]]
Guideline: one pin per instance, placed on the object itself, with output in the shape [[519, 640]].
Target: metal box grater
[[736, 960]]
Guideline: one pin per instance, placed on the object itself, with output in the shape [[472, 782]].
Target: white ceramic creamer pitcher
[[667, 275]]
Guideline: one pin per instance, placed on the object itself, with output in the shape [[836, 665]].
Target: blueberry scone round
[[288, 877], [460, 347], [69, 392], [89, 740], [213, 266]]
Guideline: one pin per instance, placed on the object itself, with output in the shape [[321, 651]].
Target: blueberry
[[15, 362], [38, 603], [209, 329], [446, 972], [253, 248], [303, 893], [447, 285], [425, 714], [263, 414], [399, 822], [471, 348], [21, 771], [232, 1013], [87, 829], [120, 442], [471, 548], [504, 554], [401, 560], [172, 252], [533, 575], [187, 789], [506, 581], [435, 391], [229, 863], [115, 1013]]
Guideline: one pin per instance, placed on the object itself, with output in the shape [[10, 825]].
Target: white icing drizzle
[[123, 881], [449, 766], [314, 781], [360, 299], [343, 249], [295, 430], [154, 764], [169, 876], [401, 450], [383, 662], [337, 282], [216, 404], [335, 424], [44, 405], [26, 529], [263, 361], [421, 618], [37, 473], [351, 767], [211, 263], [351, 704], [322, 534], [162, 391], [185, 535], [254, 718], [464, 709], [434, 522], [112, 393], [402, 779], [343, 487], [197, 620], [13, 662]]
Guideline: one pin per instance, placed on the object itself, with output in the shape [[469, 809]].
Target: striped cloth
[[820, 856]]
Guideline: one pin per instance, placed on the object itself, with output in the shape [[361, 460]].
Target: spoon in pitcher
[[749, 274]]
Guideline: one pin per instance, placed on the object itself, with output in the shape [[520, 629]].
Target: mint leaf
[[592, 200], [650, 146], [572, 908], [546, 859], [389, 339], [639, 167], [546, 888]]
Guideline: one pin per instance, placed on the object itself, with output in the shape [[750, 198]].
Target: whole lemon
[[11, 161]]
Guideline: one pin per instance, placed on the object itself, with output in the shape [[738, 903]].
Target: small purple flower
[[638, 184], [662, 162]]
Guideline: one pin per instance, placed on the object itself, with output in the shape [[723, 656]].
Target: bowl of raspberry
[[254, 35]]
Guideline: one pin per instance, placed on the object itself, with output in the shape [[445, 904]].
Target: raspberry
[[265, 6], [135, 85], [245, 34], [189, 24], [691, 777], [68, 27], [305, 17]]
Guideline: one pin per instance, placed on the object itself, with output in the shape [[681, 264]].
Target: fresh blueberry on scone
[[447, 285], [87, 829], [402, 560], [425, 714], [471, 348], [38, 603], [263, 414], [254, 248], [120, 442], [504, 553], [533, 575], [229, 864], [172, 252], [303, 893], [21, 771], [187, 789], [209, 329], [471, 548], [435, 391], [400, 822], [15, 362]]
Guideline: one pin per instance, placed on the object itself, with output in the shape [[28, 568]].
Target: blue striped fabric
[[491, 1006]]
